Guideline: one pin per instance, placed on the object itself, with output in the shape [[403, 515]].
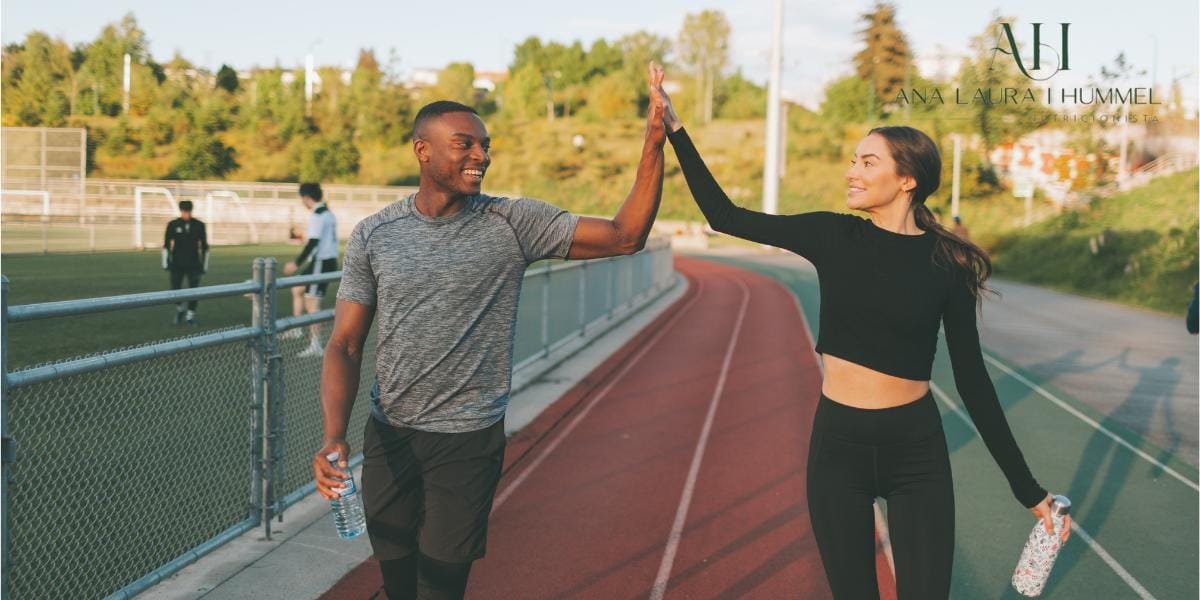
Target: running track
[[675, 469]]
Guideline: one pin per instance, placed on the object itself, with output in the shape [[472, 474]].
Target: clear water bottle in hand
[[347, 509], [1033, 569]]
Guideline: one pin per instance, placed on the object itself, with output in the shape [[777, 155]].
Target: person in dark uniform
[[185, 254]]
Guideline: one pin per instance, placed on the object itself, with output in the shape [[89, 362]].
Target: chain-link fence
[[135, 462]]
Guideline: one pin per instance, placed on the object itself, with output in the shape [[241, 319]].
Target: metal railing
[[129, 459]]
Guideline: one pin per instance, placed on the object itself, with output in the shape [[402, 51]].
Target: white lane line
[[881, 528], [668, 559], [1075, 527], [1090, 421], [512, 487]]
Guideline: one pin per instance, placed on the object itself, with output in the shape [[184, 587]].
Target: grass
[[1138, 247], [36, 278]]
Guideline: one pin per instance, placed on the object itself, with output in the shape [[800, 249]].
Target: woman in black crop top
[[887, 283]]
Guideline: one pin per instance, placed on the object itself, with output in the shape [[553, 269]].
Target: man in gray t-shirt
[[440, 273]]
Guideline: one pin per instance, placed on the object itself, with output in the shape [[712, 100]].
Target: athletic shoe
[[311, 351], [292, 334]]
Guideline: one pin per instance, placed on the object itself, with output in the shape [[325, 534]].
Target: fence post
[[258, 368], [546, 312], [8, 452], [583, 298], [272, 386], [612, 284]]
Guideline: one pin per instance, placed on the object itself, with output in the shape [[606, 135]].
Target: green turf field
[[37, 278], [1141, 519]]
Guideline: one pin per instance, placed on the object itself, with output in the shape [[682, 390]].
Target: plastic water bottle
[[347, 509], [1033, 569]]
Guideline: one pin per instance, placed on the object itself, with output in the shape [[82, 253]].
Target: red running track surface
[[593, 487]]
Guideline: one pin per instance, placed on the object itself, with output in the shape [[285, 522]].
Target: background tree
[[611, 99], [885, 61], [989, 70], [523, 97], [37, 81], [104, 61], [704, 48], [455, 82], [637, 49], [227, 79], [740, 98], [847, 100]]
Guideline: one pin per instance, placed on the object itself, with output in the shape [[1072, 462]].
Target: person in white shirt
[[319, 255]]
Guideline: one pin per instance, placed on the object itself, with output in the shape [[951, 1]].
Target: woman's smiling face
[[872, 180]]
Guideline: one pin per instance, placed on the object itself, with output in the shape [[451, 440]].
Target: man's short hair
[[185, 206], [438, 108], [312, 190]]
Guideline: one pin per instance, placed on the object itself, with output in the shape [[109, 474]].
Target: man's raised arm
[[626, 233]]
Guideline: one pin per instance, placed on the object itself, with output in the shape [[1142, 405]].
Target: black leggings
[[899, 454]]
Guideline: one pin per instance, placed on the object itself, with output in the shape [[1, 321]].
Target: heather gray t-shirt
[[445, 292]]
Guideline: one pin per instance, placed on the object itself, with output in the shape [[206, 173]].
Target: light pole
[[771, 164], [125, 87], [309, 76]]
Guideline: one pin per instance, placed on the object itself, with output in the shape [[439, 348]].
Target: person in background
[[318, 256], [1193, 326], [185, 255], [960, 230]]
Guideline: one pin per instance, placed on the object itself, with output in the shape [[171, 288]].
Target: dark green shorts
[[430, 491]]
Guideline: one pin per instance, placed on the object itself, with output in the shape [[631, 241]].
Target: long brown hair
[[917, 156]]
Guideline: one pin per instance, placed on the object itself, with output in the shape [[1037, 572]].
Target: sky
[[820, 36]]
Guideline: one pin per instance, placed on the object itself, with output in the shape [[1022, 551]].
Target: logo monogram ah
[[1037, 51]]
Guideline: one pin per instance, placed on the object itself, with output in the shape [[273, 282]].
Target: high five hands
[[654, 111], [660, 102]]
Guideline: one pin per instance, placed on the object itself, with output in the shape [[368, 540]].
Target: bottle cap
[[333, 456], [1061, 506]]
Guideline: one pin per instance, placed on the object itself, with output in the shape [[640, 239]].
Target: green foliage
[[989, 70], [1139, 247], [117, 140], [203, 155], [740, 98], [455, 82], [611, 98], [977, 177], [227, 79], [327, 158], [34, 77], [638, 49], [104, 61], [523, 97], [847, 100], [602, 59], [704, 48], [885, 60]]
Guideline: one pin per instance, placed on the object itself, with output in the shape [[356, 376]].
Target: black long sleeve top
[[882, 300], [187, 243]]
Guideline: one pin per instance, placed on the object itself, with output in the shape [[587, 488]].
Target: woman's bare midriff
[[855, 385]]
